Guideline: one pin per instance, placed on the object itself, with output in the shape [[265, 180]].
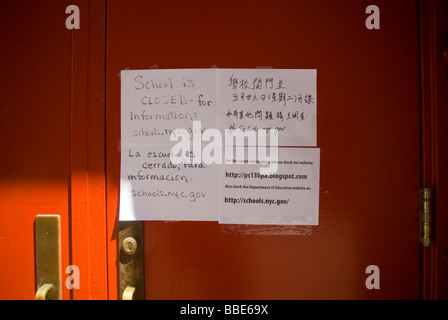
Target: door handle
[[43, 292], [47, 241], [128, 293]]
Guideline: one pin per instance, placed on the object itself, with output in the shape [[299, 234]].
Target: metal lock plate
[[131, 268]]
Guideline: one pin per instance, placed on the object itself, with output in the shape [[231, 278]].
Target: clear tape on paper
[[119, 73]]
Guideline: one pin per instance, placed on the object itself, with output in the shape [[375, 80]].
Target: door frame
[[88, 234], [433, 33]]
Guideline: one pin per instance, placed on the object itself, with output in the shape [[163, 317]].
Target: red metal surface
[[368, 132]]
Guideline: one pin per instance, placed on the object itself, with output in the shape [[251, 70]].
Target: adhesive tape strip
[[119, 73]]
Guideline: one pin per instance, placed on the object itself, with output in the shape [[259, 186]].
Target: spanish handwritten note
[[153, 188]]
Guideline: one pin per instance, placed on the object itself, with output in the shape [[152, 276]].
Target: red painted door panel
[[35, 135], [368, 132], [52, 140]]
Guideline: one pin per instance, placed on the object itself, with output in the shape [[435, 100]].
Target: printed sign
[[288, 196]]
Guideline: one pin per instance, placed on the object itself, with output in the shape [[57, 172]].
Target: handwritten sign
[[153, 188], [156, 102], [270, 99]]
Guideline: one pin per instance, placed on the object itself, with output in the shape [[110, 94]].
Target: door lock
[[131, 253], [129, 245]]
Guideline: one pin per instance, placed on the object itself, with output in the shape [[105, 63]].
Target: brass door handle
[[128, 293], [47, 233], [43, 292]]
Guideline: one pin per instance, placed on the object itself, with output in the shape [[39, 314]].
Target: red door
[[367, 128], [35, 137], [381, 128]]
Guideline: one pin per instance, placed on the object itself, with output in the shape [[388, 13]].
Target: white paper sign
[[156, 102], [289, 196], [270, 99], [153, 188], [159, 104]]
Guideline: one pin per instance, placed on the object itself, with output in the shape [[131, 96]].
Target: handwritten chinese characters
[[269, 99]]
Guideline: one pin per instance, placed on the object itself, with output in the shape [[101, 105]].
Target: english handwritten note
[[154, 103]]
